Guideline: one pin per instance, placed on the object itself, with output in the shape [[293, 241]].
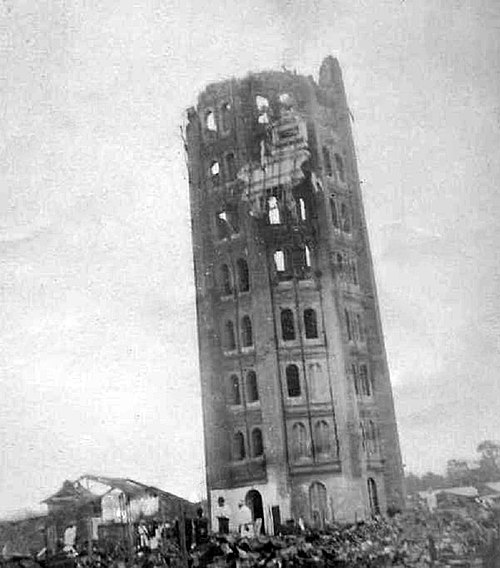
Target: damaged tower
[[298, 410]]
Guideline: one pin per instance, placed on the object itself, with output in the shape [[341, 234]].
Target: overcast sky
[[98, 346]]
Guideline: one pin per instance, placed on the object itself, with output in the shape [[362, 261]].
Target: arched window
[[373, 497], [210, 121], [373, 437], [246, 331], [361, 327], [299, 438], [225, 117], [339, 163], [252, 388], [335, 215], [292, 381], [348, 325], [223, 226], [229, 339], [318, 383], [355, 378], [364, 380], [307, 251], [230, 166], [287, 325], [310, 324], [327, 161], [226, 280], [239, 447], [318, 501], [273, 211], [279, 260], [243, 275], [363, 435], [346, 218], [302, 209], [257, 444], [322, 437], [354, 271], [234, 384]]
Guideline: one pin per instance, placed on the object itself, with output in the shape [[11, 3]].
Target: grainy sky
[[98, 347]]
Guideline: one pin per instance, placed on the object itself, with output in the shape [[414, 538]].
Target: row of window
[[227, 284], [363, 384], [370, 438], [330, 171], [239, 449], [341, 215], [246, 333], [279, 212], [288, 324], [251, 389], [324, 440], [291, 261], [354, 326]]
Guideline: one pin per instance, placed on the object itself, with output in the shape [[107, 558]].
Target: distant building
[[298, 410], [100, 506]]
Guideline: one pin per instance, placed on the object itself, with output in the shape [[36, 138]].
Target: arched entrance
[[318, 503], [373, 496], [253, 501]]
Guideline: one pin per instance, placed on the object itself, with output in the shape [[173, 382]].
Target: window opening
[[235, 390], [252, 388], [210, 121], [335, 217], [225, 113], [354, 271], [230, 166], [273, 211], [307, 251], [257, 444], [355, 378], [322, 437], [348, 325], [286, 100], [302, 209], [327, 161], [346, 218], [287, 325], [223, 226], [292, 381], [214, 168], [318, 501], [243, 275], [363, 436], [340, 167], [279, 261], [373, 496], [310, 323], [263, 108], [239, 446], [230, 341], [227, 281], [246, 331], [299, 436]]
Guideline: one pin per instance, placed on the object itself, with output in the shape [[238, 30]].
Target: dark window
[[348, 325], [361, 327], [327, 161], [246, 331], [310, 323], [355, 378], [226, 280], [346, 218], [335, 216], [238, 447], [252, 388], [287, 325], [340, 167], [322, 437], [364, 380], [229, 339], [230, 166], [257, 444], [243, 275], [373, 496], [354, 272], [225, 117], [234, 383], [293, 381]]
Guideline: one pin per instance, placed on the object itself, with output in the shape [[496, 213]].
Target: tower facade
[[298, 411]]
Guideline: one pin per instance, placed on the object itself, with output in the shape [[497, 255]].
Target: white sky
[[98, 347]]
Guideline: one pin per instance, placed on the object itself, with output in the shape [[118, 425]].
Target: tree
[[489, 460]]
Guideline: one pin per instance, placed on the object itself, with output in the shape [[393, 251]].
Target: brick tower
[[298, 411]]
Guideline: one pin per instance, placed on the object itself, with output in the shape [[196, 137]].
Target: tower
[[297, 402]]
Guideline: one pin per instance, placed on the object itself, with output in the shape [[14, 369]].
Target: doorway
[[253, 501]]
